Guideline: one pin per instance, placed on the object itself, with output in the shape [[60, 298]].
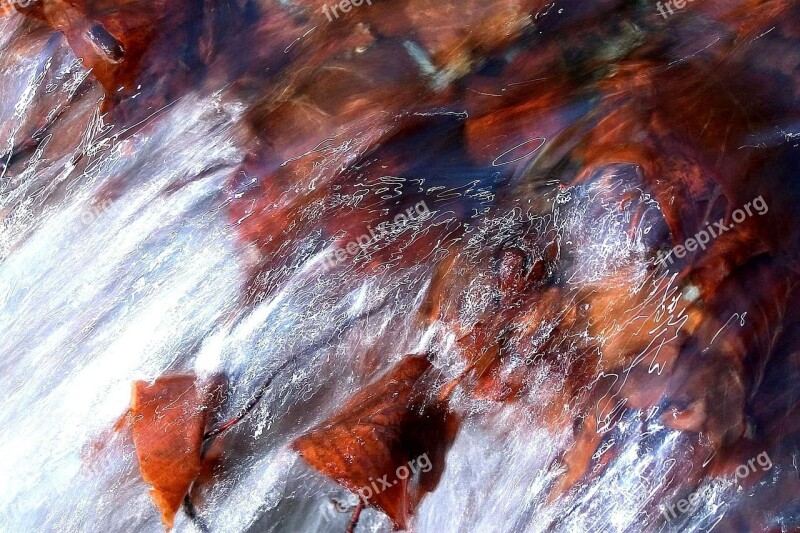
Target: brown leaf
[[380, 431], [168, 420]]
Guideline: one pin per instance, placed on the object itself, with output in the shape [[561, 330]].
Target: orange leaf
[[168, 420], [381, 430]]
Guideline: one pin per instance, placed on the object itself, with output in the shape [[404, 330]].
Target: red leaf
[[380, 430]]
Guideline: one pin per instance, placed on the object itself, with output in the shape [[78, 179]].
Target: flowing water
[[120, 261]]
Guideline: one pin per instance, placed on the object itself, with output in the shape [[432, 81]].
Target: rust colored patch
[[168, 420], [379, 430]]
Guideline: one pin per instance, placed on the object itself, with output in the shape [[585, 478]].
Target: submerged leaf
[[381, 438], [168, 419]]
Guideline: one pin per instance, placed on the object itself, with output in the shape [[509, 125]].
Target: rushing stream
[[287, 203]]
